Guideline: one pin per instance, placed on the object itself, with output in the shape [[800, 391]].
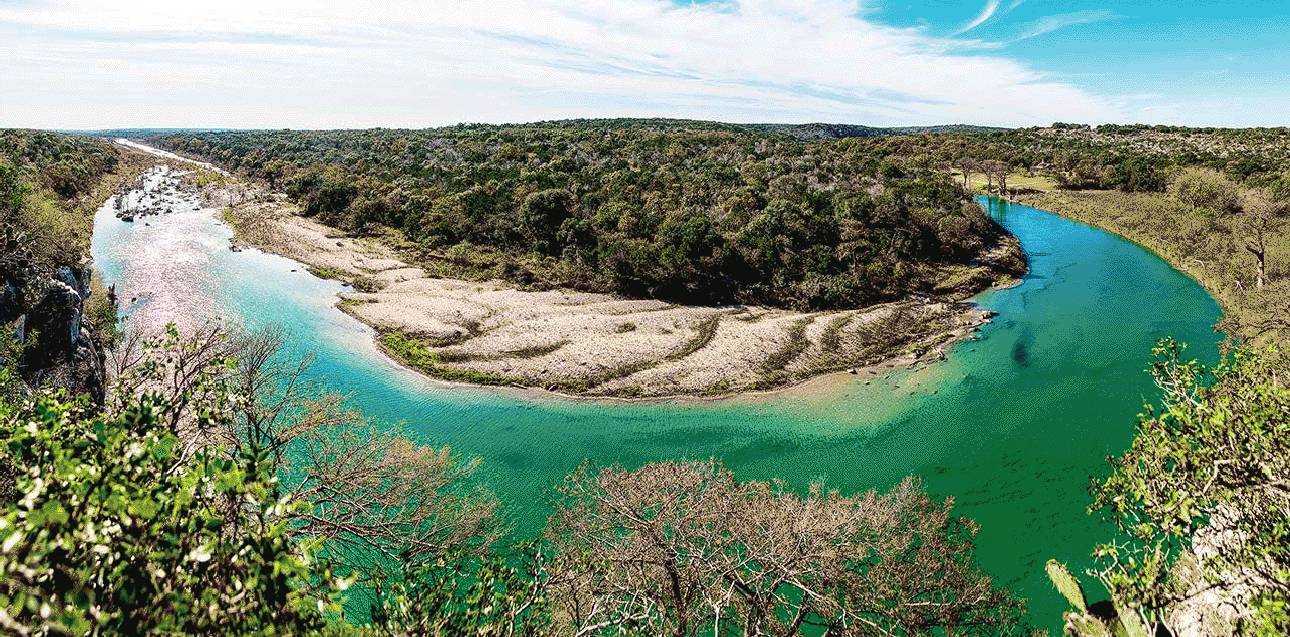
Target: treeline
[[65, 164], [215, 493], [1130, 158], [691, 212]]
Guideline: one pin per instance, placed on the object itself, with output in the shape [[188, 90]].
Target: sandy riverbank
[[592, 344], [589, 344]]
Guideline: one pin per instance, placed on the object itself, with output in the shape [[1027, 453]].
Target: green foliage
[[324, 272], [68, 165], [1208, 467], [1279, 188], [117, 528], [1106, 619], [44, 182], [1204, 188], [1067, 585], [12, 190], [686, 211], [409, 350]]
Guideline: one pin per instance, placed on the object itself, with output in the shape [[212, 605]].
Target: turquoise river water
[[1012, 425]]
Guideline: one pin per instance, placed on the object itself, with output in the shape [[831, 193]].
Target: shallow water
[[1011, 425]]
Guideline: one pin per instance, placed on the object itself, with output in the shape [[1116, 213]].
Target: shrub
[[1205, 188]]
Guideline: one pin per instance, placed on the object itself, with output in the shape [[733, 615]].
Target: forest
[[802, 216], [682, 211]]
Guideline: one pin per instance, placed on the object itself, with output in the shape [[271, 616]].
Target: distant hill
[[142, 133], [800, 132], [819, 131]]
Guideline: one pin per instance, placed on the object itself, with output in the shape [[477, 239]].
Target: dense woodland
[[683, 211]]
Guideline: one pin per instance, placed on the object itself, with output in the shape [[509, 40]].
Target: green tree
[[115, 529], [12, 190], [541, 215], [1204, 188]]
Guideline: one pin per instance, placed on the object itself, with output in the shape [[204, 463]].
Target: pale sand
[[591, 344]]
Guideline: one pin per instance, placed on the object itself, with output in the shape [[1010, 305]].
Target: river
[[1011, 425]]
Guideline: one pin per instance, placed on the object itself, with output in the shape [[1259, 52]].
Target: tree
[[541, 215], [114, 530], [12, 191], [1279, 189], [375, 498], [997, 171], [1204, 188], [1138, 174], [682, 548], [967, 166], [1260, 218]]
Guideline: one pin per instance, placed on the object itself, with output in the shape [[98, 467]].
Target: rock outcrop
[[56, 344]]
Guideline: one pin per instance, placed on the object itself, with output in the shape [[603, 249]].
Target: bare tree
[[190, 373], [681, 548], [996, 170], [376, 498]]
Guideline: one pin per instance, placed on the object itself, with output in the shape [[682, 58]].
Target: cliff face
[[56, 344], [50, 186]]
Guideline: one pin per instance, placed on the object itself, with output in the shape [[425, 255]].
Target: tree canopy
[[674, 210]]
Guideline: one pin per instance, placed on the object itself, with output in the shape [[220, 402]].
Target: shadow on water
[[1019, 354]]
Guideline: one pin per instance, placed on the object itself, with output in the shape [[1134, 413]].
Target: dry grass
[[1204, 244]]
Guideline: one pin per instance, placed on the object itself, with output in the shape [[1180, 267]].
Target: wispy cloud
[[1048, 24], [991, 7], [322, 63]]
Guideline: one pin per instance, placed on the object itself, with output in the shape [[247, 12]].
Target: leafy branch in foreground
[[114, 530], [1202, 500]]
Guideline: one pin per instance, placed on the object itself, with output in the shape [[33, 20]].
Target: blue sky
[[328, 63], [1206, 62]]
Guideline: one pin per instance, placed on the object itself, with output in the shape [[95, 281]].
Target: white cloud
[[987, 12], [1048, 24], [320, 63]]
